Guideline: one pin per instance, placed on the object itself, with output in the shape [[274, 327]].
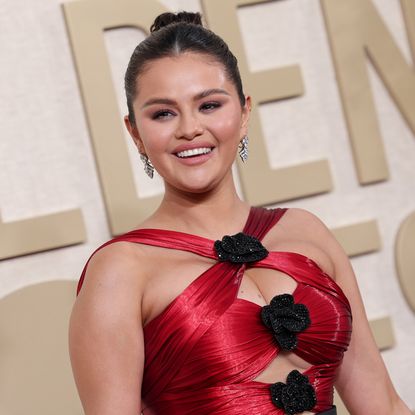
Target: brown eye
[[209, 106], [162, 114]]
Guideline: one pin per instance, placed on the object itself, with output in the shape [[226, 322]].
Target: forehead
[[184, 74]]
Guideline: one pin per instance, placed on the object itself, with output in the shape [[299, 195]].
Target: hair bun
[[168, 18]]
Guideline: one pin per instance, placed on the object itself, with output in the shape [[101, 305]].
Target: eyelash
[[212, 105], [161, 114], [207, 106]]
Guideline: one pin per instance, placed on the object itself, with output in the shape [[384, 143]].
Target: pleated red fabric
[[203, 352]]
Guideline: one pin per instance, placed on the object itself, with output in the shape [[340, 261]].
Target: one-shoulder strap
[[259, 222]]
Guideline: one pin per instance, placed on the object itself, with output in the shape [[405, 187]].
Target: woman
[[211, 306]]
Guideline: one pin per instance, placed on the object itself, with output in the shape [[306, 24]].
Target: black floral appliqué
[[285, 319], [240, 248], [296, 396]]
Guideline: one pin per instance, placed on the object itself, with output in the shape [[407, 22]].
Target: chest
[[169, 272]]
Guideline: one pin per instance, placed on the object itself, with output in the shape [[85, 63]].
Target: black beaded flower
[[285, 319], [296, 396], [240, 248]]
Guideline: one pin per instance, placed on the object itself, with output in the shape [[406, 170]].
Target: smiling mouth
[[194, 152]]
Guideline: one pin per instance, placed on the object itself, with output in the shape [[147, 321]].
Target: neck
[[211, 214]]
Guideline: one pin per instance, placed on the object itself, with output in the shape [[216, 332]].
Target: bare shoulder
[[105, 332], [113, 280], [303, 222], [116, 267], [112, 288], [307, 231]]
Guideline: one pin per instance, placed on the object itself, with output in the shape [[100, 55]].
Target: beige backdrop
[[48, 166]]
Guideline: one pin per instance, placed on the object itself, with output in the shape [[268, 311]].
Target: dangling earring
[[148, 167], [243, 150]]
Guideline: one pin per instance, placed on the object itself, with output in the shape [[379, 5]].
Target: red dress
[[203, 352]]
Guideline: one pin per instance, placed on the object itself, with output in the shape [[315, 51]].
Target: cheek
[[228, 127], [154, 135]]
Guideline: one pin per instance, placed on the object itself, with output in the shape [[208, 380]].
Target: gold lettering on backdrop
[[359, 238], [37, 333], [382, 330], [86, 20], [45, 232], [355, 29], [270, 85], [405, 258], [408, 9]]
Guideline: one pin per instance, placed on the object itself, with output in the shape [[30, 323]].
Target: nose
[[189, 126]]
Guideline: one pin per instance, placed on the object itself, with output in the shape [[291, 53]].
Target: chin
[[198, 182], [195, 187]]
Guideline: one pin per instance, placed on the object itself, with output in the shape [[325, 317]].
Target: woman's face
[[189, 120]]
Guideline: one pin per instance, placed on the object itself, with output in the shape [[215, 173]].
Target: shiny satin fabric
[[203, 352]]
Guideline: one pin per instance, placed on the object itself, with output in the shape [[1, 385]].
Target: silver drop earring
[[148, 167], [243, 149]]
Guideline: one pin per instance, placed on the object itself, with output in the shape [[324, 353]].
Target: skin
[[127, 285]]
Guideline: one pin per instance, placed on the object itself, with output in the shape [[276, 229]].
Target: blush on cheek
[[155, 137], [228, 126]]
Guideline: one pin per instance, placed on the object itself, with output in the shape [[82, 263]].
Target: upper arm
[[363, 382], [105, 334]]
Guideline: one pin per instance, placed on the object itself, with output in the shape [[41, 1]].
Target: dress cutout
[[203, 352]]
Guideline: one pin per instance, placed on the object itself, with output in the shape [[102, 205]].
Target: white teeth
[[194, 152]]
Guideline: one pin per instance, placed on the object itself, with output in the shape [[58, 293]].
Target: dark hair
[[173, 34]]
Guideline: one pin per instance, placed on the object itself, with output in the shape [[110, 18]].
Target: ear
[[135, 135], [246, 110]]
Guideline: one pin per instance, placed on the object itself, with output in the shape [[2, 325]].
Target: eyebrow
[[200, 95]]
